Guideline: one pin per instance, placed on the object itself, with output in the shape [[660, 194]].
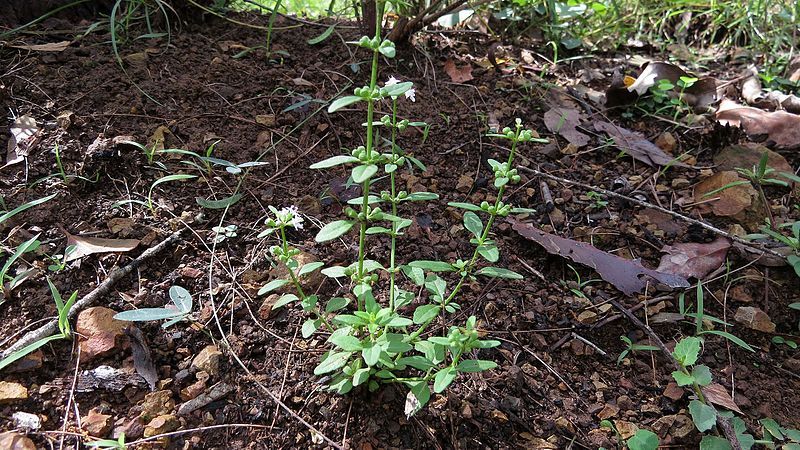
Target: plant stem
[[393, 247], [296, 282]]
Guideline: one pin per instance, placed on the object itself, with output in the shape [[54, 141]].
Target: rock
[[101, 334], [464, 183], [26, 421], [608, 412], [673, 391], [208, 360], [161, 424], [265, 311], [31, 361], [97, 424], [625, 403], [564, 424], [587, 317], [755, 319], [137, 59], [682, 427], [662, 425], [12, 392], [626, 429], [156, 404], [15, 441], [133, 429], [466, 410], [308, 282], [193, 390], [666, 141]]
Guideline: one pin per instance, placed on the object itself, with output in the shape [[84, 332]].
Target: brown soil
[[253, 107]]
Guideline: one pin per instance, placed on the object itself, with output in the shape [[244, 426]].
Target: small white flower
[[291, 216], [391, 81], [411, 94]]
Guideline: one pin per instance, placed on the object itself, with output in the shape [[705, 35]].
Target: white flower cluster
[[290, 216], [410, 94]]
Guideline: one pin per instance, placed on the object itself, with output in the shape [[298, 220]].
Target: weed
[[59, 262], [631, 347], [149, 203], [63, 327], [180, 309], [223, 233], [119, 444], [578, 285], [598, 201], [9, 282]]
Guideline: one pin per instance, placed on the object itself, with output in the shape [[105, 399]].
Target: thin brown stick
[[101, 290]]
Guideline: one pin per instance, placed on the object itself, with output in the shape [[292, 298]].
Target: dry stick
[[104, 288], [708, 227], [722, 422]]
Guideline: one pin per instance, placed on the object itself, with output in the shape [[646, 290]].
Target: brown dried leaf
[[693, 259], [458, 74], [628, 276], [727, 202], [23, 137], [142, 360], [718, 395], [85, 245], [637, 146], [49, 47], [564, 122], [778, 127]]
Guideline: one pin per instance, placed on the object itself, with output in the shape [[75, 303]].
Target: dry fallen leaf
[[701, 93], [629, 276], [142, 359], [778, 127], [727, 202], [49, 47], [718, 395], [564, 122], [23, 137], [458, 74], [637, 146], [755, 319], [692, 259], [85, 245]]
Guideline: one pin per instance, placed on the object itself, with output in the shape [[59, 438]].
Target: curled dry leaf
[[629, 276], [777, 127], [718, 395], [637, 146], [564, 122], [142, 359], [458, 74], [23, 138], [693, 259], [85, 245]]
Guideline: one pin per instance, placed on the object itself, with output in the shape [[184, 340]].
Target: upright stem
[[392, 251]]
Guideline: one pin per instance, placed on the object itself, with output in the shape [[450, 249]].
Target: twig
[[101, 290], [700, 223]]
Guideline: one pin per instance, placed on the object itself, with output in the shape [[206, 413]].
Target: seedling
[[59, 262], [578, 291], [792, 241], [631, 347], [119, 444], [222, 233], [63, 327], [699, 316], [9, 282], [599, 202], [149, 203], [781, 340], [180, 309]]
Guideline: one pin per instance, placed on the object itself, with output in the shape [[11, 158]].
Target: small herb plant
[[630, 347], [180, 309], [641, 440], [579, 284], [223, 233], [792, 241], [63, 327], [118, 444], [598, 201], [59, 262], [386, 337]]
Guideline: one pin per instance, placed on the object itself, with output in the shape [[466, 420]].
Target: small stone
[[193, 390], [208, 360], [792, 364], [466, 410], [608, 412], [587, 317], [268, 120], [15, 441], [308, 282], [161, 424], [683, 426], [626, 429], [755, 319], [133, 429], [673, 391], [137, 59], [499, 416], [662, 425], [26, 421], [680, 183], [666, 141], [265, 311], [625, 403], [557, 217], [464, 183], [156, 404], [191, 272], [96, 423], [564, 424], [101, 334], [11, 392], [570, 149], [740, 293], [511, 403]]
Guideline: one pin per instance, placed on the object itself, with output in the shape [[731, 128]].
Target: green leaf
[[771, 426], [361, 376], [415, 274], [702, 375], [346, 342], [398, 89], [181, 298], [271, 286], [417, 398], [643, 440], [730, 337], [148, 314], [310, 267], [325, 34], [218, 204], [333, 230], [433, 266], [371, 352], [473, 223], [399, 321], [682, 379], [25, 206], [425, 313], [332, 361], [714, 443], [703, 416], [168, 178], [467, 206], [497, 272], [489, 252], [28, 349], [309, 327], [687, 350], [475, 365], [364, 172], [336, 303], [340, 103], [443, 378], [417, 362], [284, 300], [334, 271], [421, 196], [334, 161]]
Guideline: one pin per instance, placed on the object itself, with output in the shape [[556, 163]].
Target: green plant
[[578, 285], [9, 282], [9, 214], [641, 440], [149, 202], [222, 233], [630, 347], [180, 309], [374, 343], [59, 262], [699, 317], [119, 444], [782, 340], [598, 201], [63, 327], [792, 241], [787, 438]]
